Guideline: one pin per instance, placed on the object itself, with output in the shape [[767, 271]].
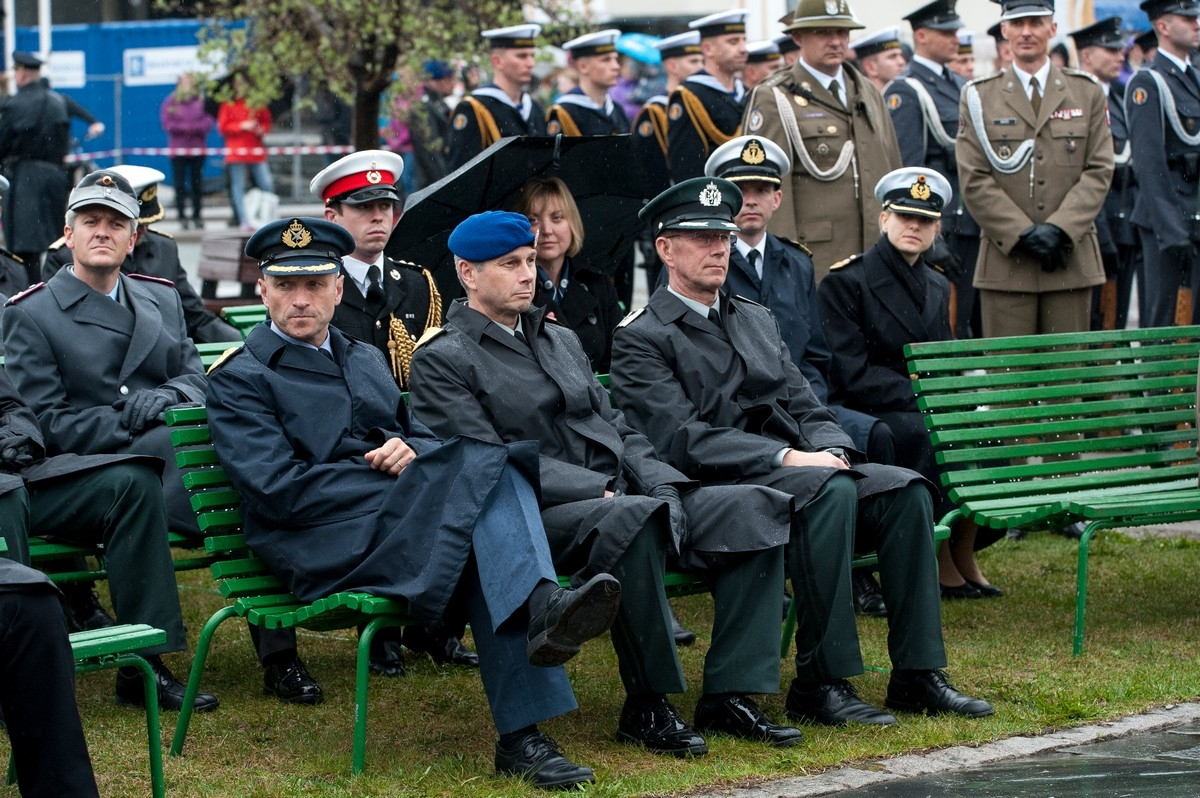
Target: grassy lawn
[[430, 733]]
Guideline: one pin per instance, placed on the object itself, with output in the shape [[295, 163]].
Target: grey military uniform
[[72, 352]]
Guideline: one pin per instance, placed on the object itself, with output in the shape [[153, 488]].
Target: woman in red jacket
[[244, 128]]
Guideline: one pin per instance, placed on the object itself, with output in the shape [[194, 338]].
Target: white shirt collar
[[357, 270], [698, 307], [1179, 62], [761, 249], [1042, 75], [929, 63], [326, 346], [825, 80]]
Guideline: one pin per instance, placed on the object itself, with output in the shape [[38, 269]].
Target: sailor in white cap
[[681, 59], [502, 107], [837, 132], [880, 55], [705, 111], [1035, 192], [964, 63], [762, 58], [588, 110], [156, 254]]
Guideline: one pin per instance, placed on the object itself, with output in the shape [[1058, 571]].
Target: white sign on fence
[[68, 69], [161, 66]]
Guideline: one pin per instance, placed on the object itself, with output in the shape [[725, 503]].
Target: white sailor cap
[[877, 42], [749, 158], [598, 43], [359, 178], [721, 23], [144, 182], [762, 52], [966, 41], [914, 190], [513, 36], [679, 45]]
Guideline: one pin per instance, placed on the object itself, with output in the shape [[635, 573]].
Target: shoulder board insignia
[[1079, 73], [147, 278], [429, 334], [631, 316], [406, 263], [11, 255], [158, 232], [30, 290], [843, 263], [796, 244], [228, 353], [57, 245], [984, 79], [745, 300], [776, 78]]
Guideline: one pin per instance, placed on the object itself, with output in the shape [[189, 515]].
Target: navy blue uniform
[[469, 138], [693, 133]]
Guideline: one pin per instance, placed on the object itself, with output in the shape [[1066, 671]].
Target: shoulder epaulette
[[57, 245], [843, 263], [406, 263], [1079, 73], [984, 79], [228, 353], [30, 290], [777, 78], [745, 300], [796, 244], [158, 232], [631, 316], [429, 334], [147, 278], [11, 255]]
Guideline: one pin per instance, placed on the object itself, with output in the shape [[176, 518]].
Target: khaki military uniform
[[828, 204], [1061, 177]]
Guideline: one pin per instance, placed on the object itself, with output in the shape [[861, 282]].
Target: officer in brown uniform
[[1035, 159], [841, 144]]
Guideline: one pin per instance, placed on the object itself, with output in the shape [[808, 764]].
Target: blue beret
[[490, 234], [438, 70]]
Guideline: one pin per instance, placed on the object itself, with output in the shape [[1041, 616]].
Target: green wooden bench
[[113, 647], [1036, 432], [244, 317]]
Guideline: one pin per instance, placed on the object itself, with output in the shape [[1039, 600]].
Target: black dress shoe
[[986, 591], [83, 608], [538, 759], [833, 703], [443, 647], [572, 617], [656, 724], [868, 600], [170, 689], [683, 637], [738, 716], [387, 654], [930, 691], [963, 591], [290, 682]]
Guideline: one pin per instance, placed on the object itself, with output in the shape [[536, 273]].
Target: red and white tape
[[319, 149]]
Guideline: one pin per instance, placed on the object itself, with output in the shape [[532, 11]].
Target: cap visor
[[910, 210], [364, 195], [700, 224], [108, 202]]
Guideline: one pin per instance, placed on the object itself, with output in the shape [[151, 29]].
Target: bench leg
[[193, 685], [1081, 580], [153, 731], [362, 671]]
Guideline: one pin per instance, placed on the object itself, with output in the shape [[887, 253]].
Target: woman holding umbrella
[[578, 298], [871, 306]]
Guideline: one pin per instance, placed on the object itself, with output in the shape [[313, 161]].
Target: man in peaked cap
[[389, 303], [1003, 58], [1163, 113], [1101, 49], [35, 134], [343, 490], [706, 377], [778, 273], [587, 109], [500, 371], [880, 56], [1034, 164], [502, 107], [98, 356], [964, 62], [706, 110], [762, 58], [787, 46], [838, 143], [155, 255], [924, 107]]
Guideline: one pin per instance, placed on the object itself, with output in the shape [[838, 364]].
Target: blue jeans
[[260, 174]]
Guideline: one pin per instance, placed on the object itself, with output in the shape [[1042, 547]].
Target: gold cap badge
[[919, 189], [753, 153], [296, 235]]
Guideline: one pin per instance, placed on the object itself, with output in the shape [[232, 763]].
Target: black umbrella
[[599, 170]]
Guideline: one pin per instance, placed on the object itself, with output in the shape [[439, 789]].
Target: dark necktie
[[948, 75], [1035, 96], [1191, 74], [520, 336], [326, 353], [715, 317], [835, 89], [752, 256], [374, 288]]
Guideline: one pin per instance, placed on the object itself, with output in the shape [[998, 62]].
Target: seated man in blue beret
[[342, 490], [500, 371]]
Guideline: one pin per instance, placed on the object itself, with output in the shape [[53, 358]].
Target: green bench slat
[[114, 640]]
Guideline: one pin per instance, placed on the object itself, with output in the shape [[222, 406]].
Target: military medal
[[822, 149], [1004, 151], [394, 274], [1071, 145]]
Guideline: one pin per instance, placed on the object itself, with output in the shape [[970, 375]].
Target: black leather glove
[[942, 259], [16, 452], [679, 520], [1048, 244], [142, 408]]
